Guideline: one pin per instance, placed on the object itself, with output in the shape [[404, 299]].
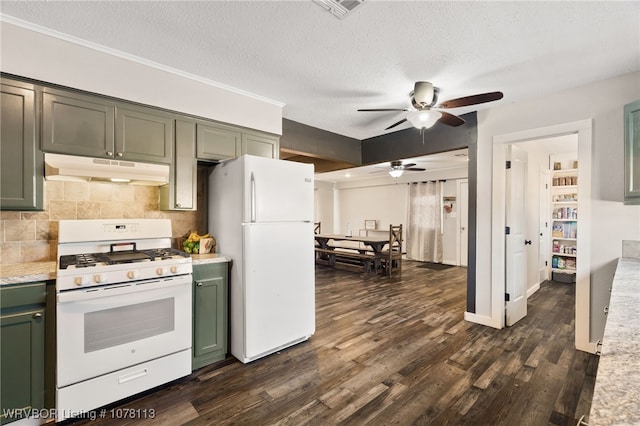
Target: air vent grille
[[339, 8]]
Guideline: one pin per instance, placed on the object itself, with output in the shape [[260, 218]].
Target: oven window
[[125, 324]]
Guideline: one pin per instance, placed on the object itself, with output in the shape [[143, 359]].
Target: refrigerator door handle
[[253, 198]]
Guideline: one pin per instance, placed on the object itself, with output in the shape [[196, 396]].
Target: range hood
[[71, 167]]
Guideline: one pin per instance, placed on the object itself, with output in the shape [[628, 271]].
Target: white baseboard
[[532, 290]]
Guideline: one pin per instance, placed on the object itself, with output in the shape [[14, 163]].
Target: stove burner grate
[[112, 258]]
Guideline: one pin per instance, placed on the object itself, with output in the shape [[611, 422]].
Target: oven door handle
[[122, 289]]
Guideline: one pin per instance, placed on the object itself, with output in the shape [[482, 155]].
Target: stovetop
[[72, 261]]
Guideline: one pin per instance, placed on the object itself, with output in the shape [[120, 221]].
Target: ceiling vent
[[339, 8]]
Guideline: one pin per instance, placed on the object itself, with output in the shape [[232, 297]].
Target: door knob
[[527, 242]]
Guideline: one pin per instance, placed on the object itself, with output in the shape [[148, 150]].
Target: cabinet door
[[217, 142], [77, 124], [632, 153], [143, 135], [180, 193], [21, 180], [209, 314], [22, 362], [260, 145]]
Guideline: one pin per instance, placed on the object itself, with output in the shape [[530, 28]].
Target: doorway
[[583, 132]]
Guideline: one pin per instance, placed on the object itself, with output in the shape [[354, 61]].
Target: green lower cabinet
[[210, 290], [22, 352]]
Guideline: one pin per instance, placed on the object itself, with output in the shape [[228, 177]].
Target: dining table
[[376, 243]]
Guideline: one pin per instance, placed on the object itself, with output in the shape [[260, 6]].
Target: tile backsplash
[[33, 236]]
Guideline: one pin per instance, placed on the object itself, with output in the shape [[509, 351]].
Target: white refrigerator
[[261, 215]]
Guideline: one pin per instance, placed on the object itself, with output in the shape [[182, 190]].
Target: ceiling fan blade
[[382, 109], [450, 119], [396, 124], [408, 165], [415, 169], [472, 100]]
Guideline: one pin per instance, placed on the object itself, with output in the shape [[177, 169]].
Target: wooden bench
[[347, 258]]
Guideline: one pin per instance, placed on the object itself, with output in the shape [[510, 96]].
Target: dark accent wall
[[311, 140], [410, 143], [440, 138]]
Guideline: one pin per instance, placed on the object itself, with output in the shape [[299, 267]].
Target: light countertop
[[616, 396], [27, 272], [199, 259]]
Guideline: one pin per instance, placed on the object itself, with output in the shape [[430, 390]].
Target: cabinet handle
[[606, 310], [199, 284], [119, 154], [109, 153], [37, 315], [178, 204]]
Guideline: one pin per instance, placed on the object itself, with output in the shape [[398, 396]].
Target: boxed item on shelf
[[563, 277]]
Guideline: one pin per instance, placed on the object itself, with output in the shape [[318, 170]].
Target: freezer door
[[277, 190], [279, 286]]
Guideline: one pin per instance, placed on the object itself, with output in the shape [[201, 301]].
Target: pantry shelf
[[564, 222]]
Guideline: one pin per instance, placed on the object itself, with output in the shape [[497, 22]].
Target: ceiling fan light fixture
[[423, 119], [396, 173]]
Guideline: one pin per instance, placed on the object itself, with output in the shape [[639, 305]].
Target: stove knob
[[160, 271], [80, 280], [174, 269], [99, 278], [133, 274]]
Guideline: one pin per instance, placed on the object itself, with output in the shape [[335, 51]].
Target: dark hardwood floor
[[395, 351]]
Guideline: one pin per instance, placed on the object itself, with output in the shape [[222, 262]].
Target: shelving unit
[[564, 229]]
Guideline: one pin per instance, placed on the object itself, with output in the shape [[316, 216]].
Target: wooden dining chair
[[316, 228], [392, 257]]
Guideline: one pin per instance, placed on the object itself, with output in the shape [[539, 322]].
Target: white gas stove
[[123, 311]]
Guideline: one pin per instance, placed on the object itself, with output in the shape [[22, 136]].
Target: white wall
[[612, 221], [324, 206], [385, 204], [74, 63]]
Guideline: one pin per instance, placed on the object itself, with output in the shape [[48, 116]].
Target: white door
[[543, 227], [516, 259], [277, 190], [463, 210], [279, 287]]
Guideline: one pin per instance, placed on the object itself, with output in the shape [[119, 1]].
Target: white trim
[[127, 56], [532, 290], [584, 131]]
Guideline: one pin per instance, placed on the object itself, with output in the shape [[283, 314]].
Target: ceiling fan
[[396, 168], [424, 99]]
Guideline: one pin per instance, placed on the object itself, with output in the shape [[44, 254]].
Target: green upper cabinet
[[143, 134], [632, 153], [221, 142], [260, 145], [180, 193], [21, 161], [217, 142], [94, 126], [77, 124]]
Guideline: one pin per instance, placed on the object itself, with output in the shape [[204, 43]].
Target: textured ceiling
[[324, 68]]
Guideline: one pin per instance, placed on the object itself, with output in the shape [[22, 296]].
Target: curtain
[[424, 233]]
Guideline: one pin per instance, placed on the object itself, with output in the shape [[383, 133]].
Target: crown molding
[[123, 55]]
